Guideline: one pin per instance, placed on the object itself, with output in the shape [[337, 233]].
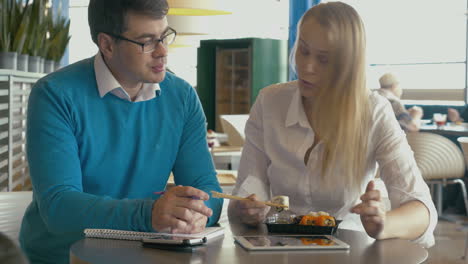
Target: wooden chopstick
[[233, 197]]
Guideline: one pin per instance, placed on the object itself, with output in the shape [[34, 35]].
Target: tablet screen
[[285, 241], [291, 242]]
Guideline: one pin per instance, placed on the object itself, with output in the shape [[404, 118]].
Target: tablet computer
[[290, 242]]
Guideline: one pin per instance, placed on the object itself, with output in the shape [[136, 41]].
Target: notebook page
[[209, 232]]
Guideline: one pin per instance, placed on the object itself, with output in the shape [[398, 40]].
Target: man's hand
[[454, 115], [178, 212], [251, 212], [372, 212]]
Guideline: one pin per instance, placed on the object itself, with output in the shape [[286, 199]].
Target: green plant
[[20, 25], [37, 28], [49, 22], [58, 38], [14, 17], [5, 36], [29, 28]]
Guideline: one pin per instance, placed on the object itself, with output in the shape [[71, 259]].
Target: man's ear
[[106, 45]]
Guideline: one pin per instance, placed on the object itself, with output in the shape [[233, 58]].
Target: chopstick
[[233, 197]]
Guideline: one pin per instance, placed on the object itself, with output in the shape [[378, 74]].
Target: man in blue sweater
[[105, 133]]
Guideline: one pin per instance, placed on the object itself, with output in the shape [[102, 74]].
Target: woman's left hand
[[372, 211]]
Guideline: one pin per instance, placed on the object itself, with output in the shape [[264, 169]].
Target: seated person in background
[[319, 139], [454, 115], [106, 132], [410, 120]]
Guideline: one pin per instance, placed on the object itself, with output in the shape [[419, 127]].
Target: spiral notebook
[[208, 233]]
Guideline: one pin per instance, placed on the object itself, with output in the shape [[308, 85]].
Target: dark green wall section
[[269, 66]]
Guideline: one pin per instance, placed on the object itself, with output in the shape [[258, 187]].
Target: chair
[[440, 161], [12, 208], [233, 126], [464, 145]]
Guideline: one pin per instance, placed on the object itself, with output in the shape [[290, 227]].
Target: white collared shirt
[[107, 83], [278, 135]]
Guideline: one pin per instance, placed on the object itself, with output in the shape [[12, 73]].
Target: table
[[224, 250], [448, 129], [227, 159]]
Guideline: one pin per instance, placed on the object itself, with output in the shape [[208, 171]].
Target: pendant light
[[196, 8]]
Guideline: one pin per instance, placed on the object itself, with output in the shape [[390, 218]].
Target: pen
[[191, 197]]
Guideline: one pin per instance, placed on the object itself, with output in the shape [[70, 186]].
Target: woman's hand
[[250, 212], [372, 212]]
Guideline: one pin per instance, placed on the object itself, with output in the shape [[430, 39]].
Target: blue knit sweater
[[95, 162]]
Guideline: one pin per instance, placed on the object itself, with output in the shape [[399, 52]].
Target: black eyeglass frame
[[169, 31]]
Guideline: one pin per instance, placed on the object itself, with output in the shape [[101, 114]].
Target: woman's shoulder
[[279, 90], [382, 116], [381, 110]]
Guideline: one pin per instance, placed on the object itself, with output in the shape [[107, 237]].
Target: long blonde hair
[[341, 116]]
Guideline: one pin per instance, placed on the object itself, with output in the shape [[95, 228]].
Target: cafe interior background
[[228, 50]]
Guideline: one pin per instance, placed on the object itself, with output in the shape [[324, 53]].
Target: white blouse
[[278, 135]]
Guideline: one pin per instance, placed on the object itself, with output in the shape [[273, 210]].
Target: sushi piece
[[325, 220], [317, 219], [313, 214], [323, 213], [308, 220], [280, 199]]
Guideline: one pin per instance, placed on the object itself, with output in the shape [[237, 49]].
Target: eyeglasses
[[149, 46]]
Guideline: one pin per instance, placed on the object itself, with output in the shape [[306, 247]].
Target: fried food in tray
[[312, 223], [316, 219]]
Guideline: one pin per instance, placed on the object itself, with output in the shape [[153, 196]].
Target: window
[[422, 41]]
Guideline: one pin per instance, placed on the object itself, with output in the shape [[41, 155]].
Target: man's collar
[[106, 81]]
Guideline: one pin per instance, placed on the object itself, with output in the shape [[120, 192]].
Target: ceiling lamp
[[196, 8]]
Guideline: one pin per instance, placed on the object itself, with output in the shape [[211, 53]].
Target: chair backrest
[[12, 208], [464, 144], [436, 156], [233, 126]]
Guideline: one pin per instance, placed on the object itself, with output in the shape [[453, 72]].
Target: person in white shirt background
[[319, 139], [410, 120]]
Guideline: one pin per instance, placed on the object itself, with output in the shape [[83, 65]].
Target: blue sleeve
[[194, 164], [56, 176]]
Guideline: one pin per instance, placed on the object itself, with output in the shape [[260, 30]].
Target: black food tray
[[302, 229]]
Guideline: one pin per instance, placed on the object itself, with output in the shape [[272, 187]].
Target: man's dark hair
[[109, 15]]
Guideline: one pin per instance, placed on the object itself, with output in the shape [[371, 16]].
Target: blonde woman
[[319, 139]]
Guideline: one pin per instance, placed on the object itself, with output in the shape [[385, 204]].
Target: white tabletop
[[448, 129], [225, 250]]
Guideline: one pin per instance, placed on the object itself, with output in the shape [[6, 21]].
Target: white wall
[[249, 18], [81, 46]]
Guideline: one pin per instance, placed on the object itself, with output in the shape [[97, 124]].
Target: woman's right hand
[[251, 212]]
